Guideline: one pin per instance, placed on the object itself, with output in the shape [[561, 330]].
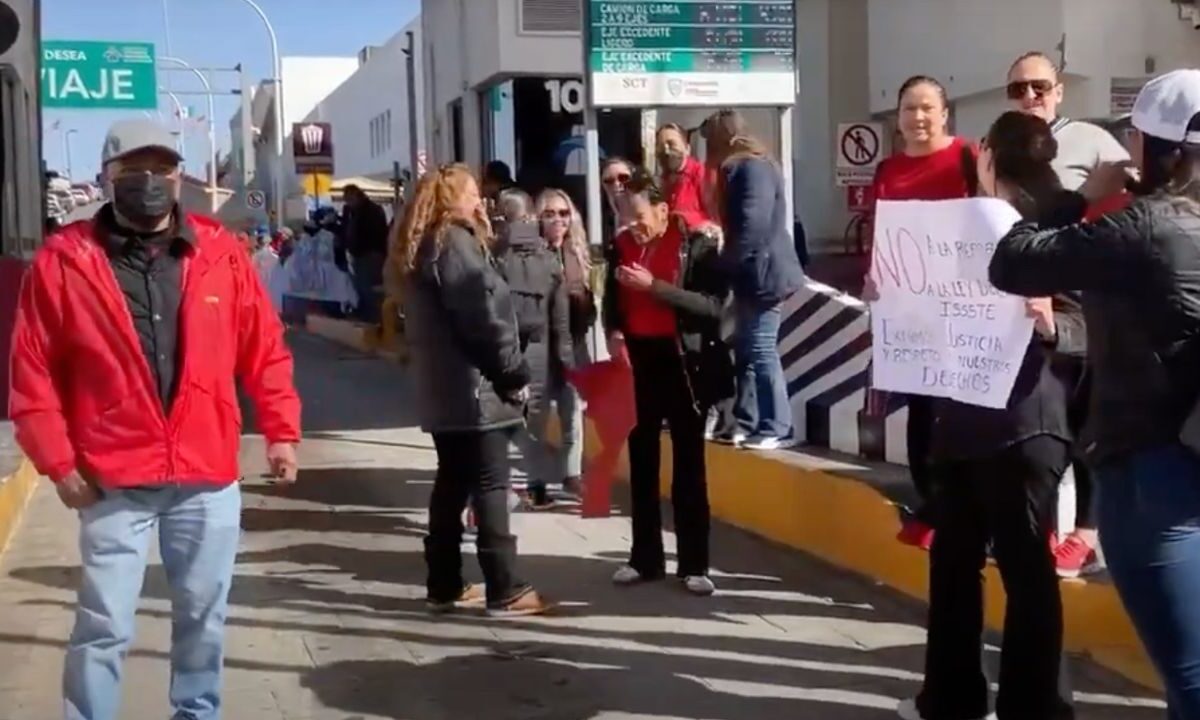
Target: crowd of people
[[138, 427], [498, 299]]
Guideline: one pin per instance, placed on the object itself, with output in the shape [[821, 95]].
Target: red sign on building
[[860, 198]]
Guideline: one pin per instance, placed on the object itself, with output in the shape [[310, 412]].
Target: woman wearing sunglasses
[[615, 174], [563, 230]]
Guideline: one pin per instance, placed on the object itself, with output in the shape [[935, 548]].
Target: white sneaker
[[768, 443], [737, 439], [626, 575], [699, 585], [907, 710]]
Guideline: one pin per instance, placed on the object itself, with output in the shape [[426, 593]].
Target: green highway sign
[[90, 75], [692, 52]]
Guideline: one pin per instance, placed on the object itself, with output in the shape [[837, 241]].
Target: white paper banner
[[939, 327]]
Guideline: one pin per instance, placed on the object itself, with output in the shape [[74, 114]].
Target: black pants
[[471, 465], [1009, 498], [920, 442], [662, 392]]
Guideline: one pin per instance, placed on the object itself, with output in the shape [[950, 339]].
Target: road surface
[[327, 620]]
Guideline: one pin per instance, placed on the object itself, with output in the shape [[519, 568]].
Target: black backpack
[[533, 276]]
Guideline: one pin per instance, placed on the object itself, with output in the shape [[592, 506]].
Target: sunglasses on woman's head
[[619, 179], [1018, 89]]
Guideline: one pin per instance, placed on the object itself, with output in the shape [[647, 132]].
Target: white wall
[[967, 44], [380, 85], [472, 43], [306, 81]]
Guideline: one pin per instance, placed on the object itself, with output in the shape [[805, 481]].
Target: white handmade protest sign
[[940, 328]]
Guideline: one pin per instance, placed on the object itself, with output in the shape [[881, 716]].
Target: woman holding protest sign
[[933, 165], [996, 474]]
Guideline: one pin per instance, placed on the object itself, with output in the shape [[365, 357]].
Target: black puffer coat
[[1139, 270], [461, 327]]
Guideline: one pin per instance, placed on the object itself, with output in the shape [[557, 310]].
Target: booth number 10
[[565, 96]]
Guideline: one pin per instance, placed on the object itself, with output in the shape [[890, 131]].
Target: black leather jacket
[[466, 355], [1139, 271], [700, 299]]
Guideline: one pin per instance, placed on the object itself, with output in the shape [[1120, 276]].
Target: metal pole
[[591, 139], [411, 75], [212, 129], [787, 162], [249, 166], [182, 147], [278, 69], [167, 35], [67, 153]]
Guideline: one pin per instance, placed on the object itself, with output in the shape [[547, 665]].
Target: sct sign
[[88, 75]]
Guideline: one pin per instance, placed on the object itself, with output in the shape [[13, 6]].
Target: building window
[[550, 17], [387, 132]]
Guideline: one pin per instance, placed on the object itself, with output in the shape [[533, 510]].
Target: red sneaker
[[1072, 556], [916, 533]]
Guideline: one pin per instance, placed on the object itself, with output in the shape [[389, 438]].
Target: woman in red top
[[663, 304], [684, 178], [933, 165]]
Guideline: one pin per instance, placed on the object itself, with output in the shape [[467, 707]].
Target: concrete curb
[[816, 504], [15, 492]]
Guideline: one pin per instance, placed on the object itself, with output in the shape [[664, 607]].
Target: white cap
[[1167, 104]]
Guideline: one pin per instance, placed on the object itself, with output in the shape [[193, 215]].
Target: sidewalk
[[326, 620]]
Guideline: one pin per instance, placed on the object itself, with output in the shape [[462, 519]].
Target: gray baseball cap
[[128, 136]]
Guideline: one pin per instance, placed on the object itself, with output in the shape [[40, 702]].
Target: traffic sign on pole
[[256, 199], [859, 150], [691, 54], [91, 75]]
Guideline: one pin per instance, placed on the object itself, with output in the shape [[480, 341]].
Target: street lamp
[[179, 141], [278, 70], [212, 128], [67, 153]]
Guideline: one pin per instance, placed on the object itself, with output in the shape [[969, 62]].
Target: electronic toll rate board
[[692, 53]]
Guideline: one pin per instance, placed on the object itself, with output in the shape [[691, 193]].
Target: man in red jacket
[[131, 330]]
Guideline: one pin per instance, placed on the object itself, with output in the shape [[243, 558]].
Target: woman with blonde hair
[[471, 384], [563, 230]]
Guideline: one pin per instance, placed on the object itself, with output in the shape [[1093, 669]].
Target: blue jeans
[[198, 532], [763, 407], [1150, 530], [546, 464]]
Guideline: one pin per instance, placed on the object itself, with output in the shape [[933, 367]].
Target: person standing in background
[[534, 275], [365, 228], [933, 165], [1035, 88], [761, 261], [564, 232], [132, 333], [684, 178]]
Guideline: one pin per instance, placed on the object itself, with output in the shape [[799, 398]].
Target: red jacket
[[82, 396]]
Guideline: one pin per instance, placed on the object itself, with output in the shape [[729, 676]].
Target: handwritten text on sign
[[939, 326]]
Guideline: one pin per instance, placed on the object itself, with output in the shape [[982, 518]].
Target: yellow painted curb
[[850, 524], [15, 492]]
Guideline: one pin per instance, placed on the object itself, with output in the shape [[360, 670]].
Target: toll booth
[[22, 206]]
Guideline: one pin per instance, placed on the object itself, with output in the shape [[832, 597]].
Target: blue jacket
[[759, 255]]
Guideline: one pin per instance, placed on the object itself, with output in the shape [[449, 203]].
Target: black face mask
[[143, 198]]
